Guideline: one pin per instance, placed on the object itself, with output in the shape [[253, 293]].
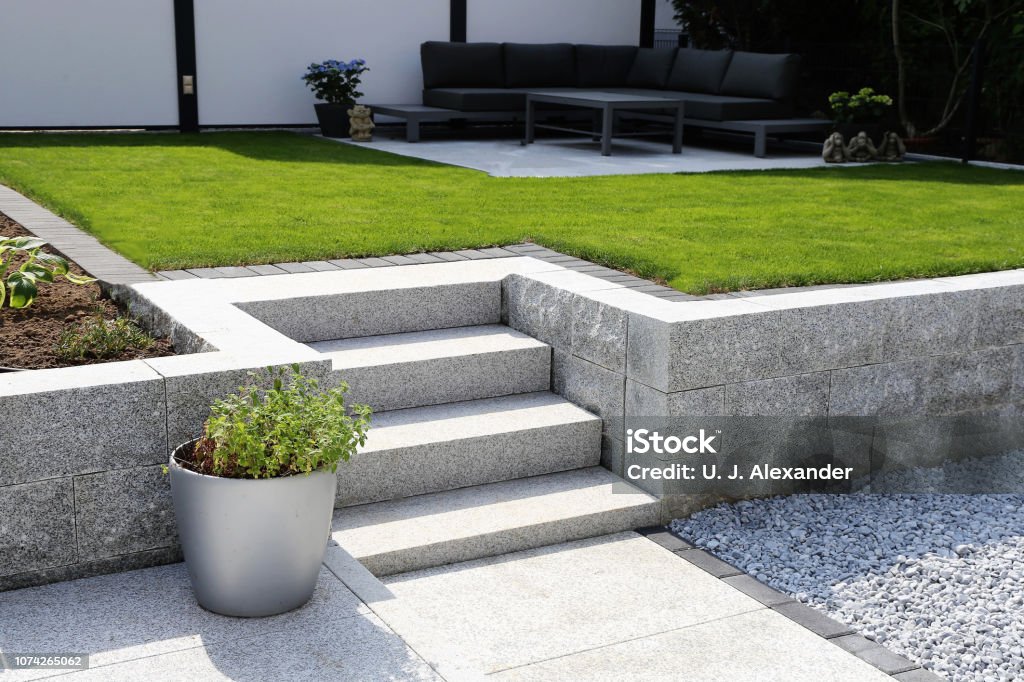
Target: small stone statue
[[892, 147], [835, 149], [360, 124], [861, 148]]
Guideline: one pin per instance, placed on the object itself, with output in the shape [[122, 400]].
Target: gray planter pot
[[252, 547]]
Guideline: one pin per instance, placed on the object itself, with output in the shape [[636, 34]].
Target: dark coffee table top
[[600, 98]]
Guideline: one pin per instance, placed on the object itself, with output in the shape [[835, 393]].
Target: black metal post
[[974, 100], [647, 11], [459, 21], [185, 48]]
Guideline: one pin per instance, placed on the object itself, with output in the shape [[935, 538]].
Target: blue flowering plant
[[336, 82]]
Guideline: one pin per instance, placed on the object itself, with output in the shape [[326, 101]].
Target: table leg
[[412, 129], [677, 131], [607, 123], [531, 114], [760, 143]]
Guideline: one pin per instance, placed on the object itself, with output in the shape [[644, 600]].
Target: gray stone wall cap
[[86, 376]]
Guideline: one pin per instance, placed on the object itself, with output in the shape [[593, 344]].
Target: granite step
[[430, 449], [489, 520], [415, 369]]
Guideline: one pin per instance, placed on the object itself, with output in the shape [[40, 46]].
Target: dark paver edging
[[623, 279], [873, 653]]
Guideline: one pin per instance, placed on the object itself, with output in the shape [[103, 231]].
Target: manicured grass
[[171, 201]]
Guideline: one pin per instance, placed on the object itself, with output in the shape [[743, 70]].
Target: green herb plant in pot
[[254, 495]]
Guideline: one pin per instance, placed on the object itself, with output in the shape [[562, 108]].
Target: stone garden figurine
[[892, 147], [360, 124], [861, 148], [835, 149]]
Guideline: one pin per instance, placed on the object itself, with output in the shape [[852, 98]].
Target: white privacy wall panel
[[94, 63], [252, 55], [604, 22]]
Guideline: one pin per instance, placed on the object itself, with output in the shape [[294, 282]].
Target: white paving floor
[[579, 156], [609, 608]]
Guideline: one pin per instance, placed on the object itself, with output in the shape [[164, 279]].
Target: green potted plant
[[336, 84], [864, 110], [254, 495]]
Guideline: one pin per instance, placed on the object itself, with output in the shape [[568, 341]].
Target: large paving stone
[[599, 333], [932, 324], [1000, 316], [828, 337], [123, 511], [890, 389], [592, 387], [971, 380], [389, 311], [110, 416], [37, 528], [704, 352], [554, 601], [804, 395], [143, 614], [539, 309]]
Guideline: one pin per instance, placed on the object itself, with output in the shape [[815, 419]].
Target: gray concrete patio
[[592, 609], [581, 157]]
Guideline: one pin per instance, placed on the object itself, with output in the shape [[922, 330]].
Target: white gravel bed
[[938, 578]]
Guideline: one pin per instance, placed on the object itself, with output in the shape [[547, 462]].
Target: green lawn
[[172, 201]]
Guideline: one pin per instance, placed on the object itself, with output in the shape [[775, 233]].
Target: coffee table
[[605, 105]]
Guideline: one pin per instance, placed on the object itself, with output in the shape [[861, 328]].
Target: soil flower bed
[[63, 312]]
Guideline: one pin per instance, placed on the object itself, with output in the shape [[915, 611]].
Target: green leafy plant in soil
[[170, 201], [283, 426], [99, 339], [33, 267]]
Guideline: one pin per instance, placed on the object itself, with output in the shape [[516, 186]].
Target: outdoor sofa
[[721, 89]]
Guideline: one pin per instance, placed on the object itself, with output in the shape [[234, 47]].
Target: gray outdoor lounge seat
[[717, 87]]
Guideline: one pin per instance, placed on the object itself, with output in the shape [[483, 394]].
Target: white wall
[[252, 55], [611, 22], [87, 63], [663, 16]]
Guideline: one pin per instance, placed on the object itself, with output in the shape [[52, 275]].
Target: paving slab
[[553, 601], [360, 648], [752, 646], [127, 616]]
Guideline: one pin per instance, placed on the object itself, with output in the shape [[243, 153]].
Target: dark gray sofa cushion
[[462, 65], [476, 99], [603, 65], [772, 76], [717, 107], [540, 66], [650, 67], [699, 70]]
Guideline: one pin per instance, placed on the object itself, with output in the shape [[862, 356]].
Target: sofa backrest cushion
[[771, 76], [699, 70], [550, 65], [650, 68], [462, 65], [604, 66]]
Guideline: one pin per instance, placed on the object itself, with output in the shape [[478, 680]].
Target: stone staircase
[[470, 455]]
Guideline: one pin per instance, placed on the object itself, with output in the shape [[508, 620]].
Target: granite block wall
[[950, 348]]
